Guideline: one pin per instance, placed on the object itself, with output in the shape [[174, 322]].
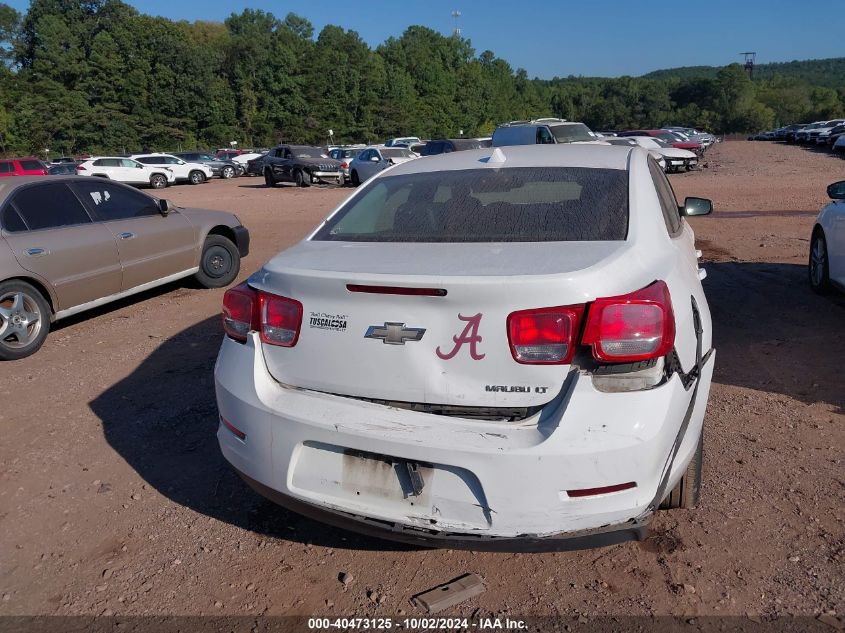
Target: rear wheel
[[24, 320], [220, 262], [819, 267], [196, 177], [355, 180], [686, 493], [158, 181]]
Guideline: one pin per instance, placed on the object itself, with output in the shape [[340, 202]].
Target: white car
[[373, 160], [827, 244], [127, 171], [243, 159], [402, 140], [676, 159], [497, 348], [629, 141], [194, 173]]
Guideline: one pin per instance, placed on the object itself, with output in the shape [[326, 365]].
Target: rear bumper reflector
[[233, 429], [590, 492], [397, 290]]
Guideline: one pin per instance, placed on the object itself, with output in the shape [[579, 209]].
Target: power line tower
[[750, 58], [456, 16]]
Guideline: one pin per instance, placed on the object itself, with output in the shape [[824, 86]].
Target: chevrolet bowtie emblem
[[394, 333]]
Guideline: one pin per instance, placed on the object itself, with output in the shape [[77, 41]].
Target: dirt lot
[[114, 498]]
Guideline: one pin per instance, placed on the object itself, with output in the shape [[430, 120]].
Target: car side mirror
[[139, 166], [375, 159], [836, 191], [696, 206], [164, 207]]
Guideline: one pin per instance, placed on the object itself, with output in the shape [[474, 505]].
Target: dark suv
[[301, 164]]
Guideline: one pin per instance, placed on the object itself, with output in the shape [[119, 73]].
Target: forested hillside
[[97, 75], [818, 72]]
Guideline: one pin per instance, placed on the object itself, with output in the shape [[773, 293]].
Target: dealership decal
[[469, 335], [323, 321]]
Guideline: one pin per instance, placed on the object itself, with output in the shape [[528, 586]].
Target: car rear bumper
[[634, 530], [485, 484]]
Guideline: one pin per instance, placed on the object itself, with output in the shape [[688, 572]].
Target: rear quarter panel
[[672, 259]]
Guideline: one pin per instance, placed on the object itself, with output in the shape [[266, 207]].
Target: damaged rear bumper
[[633, 530], [486, 485]]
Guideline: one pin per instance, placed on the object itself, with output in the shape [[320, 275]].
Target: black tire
[[196, 177], [11, 313], [687, 492], [220, 262], [158, 181], [268, 179], [301, 179], [356, 182], [227, 172], [818, 264]]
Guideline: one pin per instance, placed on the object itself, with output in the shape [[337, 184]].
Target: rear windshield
[[396, 152], [519, 204], [475, 143], [572, 132]]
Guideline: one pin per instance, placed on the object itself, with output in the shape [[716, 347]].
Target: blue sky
[[564, 37]]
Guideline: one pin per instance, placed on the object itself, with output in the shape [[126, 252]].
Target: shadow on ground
[[773, 333], [162, 419]]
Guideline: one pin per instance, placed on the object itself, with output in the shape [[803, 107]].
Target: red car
[[670, 137], [22, 167]]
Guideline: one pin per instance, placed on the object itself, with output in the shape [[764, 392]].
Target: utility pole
[[750, 58]]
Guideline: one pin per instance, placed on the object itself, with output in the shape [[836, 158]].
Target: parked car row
[[828, 134], [156, 170]]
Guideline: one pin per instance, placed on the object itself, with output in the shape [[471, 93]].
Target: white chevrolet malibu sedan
[[491, 349]]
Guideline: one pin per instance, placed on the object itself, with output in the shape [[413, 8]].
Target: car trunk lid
[[447, 344]]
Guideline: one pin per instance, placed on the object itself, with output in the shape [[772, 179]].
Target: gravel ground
[[114, 498]]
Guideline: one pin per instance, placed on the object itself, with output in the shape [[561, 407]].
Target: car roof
[[10, 185], [559, 155]]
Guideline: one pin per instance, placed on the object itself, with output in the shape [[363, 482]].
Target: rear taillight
[[633, 327], [544, 336], [246, 310], [240, 312], [80, 168], [281, 319], [344, 165]]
